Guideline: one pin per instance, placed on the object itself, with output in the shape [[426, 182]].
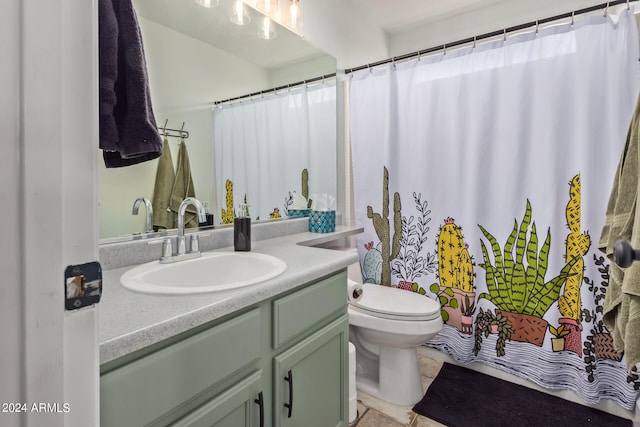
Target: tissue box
[[297, 213], [322, 221]]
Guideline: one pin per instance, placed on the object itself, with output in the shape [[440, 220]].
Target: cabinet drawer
[[147, 388], [303, 309]]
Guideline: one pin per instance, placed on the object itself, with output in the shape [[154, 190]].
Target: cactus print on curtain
[[480, 176]]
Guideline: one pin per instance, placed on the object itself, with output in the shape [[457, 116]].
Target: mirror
[[195, 57]]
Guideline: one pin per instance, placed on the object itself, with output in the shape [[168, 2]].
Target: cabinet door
[[310, 380], [240, 406], [166, 385]]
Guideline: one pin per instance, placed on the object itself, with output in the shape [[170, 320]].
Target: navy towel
[[128, 132]]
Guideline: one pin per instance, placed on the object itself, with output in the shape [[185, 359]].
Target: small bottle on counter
[[242, 229], [209, 215]]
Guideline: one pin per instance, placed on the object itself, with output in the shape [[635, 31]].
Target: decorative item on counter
[[242, 228], [275, 214], [227, 216], [208, 214], [322, 218], [305, 187], [295, 205]]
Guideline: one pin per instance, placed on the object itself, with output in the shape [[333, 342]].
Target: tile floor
[[374, 412]]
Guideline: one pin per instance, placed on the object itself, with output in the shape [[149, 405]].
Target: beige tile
[[401, 414], [421, 421], [375, 418], [429, 367]]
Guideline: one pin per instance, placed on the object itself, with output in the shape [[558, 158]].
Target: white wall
[[340, 29]]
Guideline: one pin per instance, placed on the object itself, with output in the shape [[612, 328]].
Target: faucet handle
[[167, 250], [195, 243]]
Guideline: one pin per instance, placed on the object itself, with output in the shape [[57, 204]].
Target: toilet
[[386, 326]]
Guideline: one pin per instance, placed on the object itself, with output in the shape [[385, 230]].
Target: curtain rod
[[276, 89], [502, 32]]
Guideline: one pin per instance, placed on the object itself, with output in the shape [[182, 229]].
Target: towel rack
[[175, 133]]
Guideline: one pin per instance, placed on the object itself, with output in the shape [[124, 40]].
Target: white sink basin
[[213, 271]]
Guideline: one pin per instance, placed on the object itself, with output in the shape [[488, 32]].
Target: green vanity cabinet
[[231, 372]]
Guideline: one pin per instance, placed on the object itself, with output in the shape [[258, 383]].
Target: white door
[[49, 361]]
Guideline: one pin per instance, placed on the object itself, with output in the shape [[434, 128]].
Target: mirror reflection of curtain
[[263, 144], [469, 140]]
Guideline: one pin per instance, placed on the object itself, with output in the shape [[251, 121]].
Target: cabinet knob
[[289, 406]]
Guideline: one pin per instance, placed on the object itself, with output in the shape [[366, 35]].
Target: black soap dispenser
[[242, 229]]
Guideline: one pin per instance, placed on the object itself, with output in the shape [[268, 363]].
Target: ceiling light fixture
[[266, 29], [239, 13]]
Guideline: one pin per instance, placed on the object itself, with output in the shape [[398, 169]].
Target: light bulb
[[239, 14], [266, 30], [295, 15]]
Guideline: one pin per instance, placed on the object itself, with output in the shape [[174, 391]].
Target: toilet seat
[[395, 304]]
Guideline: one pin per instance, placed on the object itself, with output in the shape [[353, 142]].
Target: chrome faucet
[[181, 251], [148, 223]]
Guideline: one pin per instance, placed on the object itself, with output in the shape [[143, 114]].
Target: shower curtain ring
[[474, 42], [537, 26], [504, 35], [573, 14], [444, 48], [606, 10]]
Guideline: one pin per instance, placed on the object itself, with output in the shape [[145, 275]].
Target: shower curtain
[[263, 145], [481, 177]]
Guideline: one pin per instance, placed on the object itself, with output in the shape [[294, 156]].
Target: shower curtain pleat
[[480, 177]]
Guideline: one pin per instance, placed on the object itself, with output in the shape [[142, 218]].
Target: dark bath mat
[[460, 397]]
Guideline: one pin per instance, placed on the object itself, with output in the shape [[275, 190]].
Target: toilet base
[[398, 379]]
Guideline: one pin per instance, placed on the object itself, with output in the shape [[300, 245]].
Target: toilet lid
[[393, 303]]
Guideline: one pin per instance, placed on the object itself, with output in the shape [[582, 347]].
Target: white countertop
[[130, 321]]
